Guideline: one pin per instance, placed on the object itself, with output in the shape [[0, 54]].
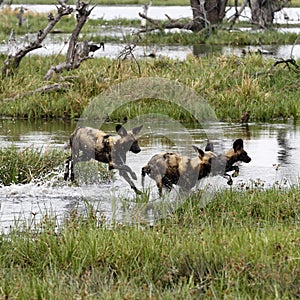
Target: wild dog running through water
[[169, 169], [225, 162], [89, 143]]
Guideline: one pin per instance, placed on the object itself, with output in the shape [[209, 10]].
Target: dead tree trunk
[[76, 52], [262, 11], [215, 10], [205, 13], [12, 62]]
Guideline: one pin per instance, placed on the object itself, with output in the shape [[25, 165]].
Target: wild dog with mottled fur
[[89, 143], [169, 169], [225, 162]]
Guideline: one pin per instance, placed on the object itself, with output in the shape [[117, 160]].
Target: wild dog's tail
[[145, 171]]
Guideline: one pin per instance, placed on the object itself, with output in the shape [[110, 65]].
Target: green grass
[[23, 166], [228, 83], [219, 37], [243, 245]]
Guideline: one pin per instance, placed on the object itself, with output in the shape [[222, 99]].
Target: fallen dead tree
[[290, 63], [42, 90]]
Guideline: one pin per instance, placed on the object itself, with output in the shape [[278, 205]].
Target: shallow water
[[57, 43], [159, 12], [274, 149]]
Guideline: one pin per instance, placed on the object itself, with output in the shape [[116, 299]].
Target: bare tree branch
[[205, 15], [12, 62], [238, 13], [77, 52], [172, 23], [289, 63]]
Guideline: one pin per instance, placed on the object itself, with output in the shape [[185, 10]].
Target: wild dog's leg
[[81, 158], [67, 167], [229, 179], [233, 168], [159, 183], [236, 171], [144, 172], [124, 174], [123, 168], [72, 171]]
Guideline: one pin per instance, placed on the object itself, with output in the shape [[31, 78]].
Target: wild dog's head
[[239, 152], [129, 141]]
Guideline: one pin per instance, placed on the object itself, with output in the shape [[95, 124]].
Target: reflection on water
[[274, 149], [40, 133]]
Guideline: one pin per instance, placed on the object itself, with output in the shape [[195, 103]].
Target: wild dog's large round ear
[[136, 130], [121, 130], [199, 151], [209, 147], [238, 145]]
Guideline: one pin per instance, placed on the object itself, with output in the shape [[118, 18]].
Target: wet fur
[[88, 143], [168, 169]]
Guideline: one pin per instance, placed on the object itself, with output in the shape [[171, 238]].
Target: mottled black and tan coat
[[89, 143], [226, 162], [168, 169]]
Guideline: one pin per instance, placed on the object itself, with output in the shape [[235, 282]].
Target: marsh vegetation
[[230, 84], [243, 244]]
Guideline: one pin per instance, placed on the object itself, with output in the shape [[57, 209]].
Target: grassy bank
[[243, 245], [228, 83]]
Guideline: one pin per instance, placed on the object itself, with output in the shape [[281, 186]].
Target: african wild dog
[[96, 144], [225, 162], [169, 168]]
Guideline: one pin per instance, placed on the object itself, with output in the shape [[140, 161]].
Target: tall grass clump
[[24, 165], [242, 245]]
